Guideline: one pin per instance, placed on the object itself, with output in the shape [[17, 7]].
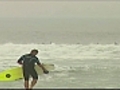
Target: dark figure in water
[[115, 43], [28, 62]]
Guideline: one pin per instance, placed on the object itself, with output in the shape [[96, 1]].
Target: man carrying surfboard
[[28, 62]]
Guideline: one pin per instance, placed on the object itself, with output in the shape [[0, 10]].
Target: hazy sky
[[52, 8], [65, 21]]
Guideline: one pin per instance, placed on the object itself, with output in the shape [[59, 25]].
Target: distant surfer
[[28, 62], [115, 43]]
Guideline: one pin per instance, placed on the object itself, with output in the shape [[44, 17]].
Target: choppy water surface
[[76, 66]]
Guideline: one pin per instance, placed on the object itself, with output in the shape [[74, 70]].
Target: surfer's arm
[[40, 65], [20, 60], [43, 68]]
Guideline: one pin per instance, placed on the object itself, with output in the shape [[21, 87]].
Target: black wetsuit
[[29, 61]]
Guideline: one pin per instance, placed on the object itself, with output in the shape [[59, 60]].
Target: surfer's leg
[[26, 84], [26, 79], [34, 81], [35, 78]]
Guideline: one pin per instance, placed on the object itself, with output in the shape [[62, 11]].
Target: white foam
[[63, 51]]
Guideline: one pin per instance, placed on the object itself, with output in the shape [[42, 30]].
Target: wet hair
[[34, 50]]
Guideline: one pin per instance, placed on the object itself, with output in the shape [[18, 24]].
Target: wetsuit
[[29, 61]]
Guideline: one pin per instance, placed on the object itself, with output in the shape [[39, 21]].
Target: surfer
[[28, 62]]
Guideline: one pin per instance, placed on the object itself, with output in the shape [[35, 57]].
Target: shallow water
[[76, 66]]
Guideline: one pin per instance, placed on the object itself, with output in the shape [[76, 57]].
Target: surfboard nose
[[11, 74]]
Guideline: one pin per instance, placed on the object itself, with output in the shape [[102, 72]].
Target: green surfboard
[[15, 73]]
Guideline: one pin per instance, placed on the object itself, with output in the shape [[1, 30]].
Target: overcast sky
[[74, 21], [99, 8]]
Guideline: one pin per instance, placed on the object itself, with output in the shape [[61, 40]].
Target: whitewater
[[76, 65]]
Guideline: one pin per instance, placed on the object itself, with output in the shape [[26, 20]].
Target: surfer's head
[[34, 52]]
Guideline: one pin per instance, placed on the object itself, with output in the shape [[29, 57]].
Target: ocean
[[76, 65], [60, 30]]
